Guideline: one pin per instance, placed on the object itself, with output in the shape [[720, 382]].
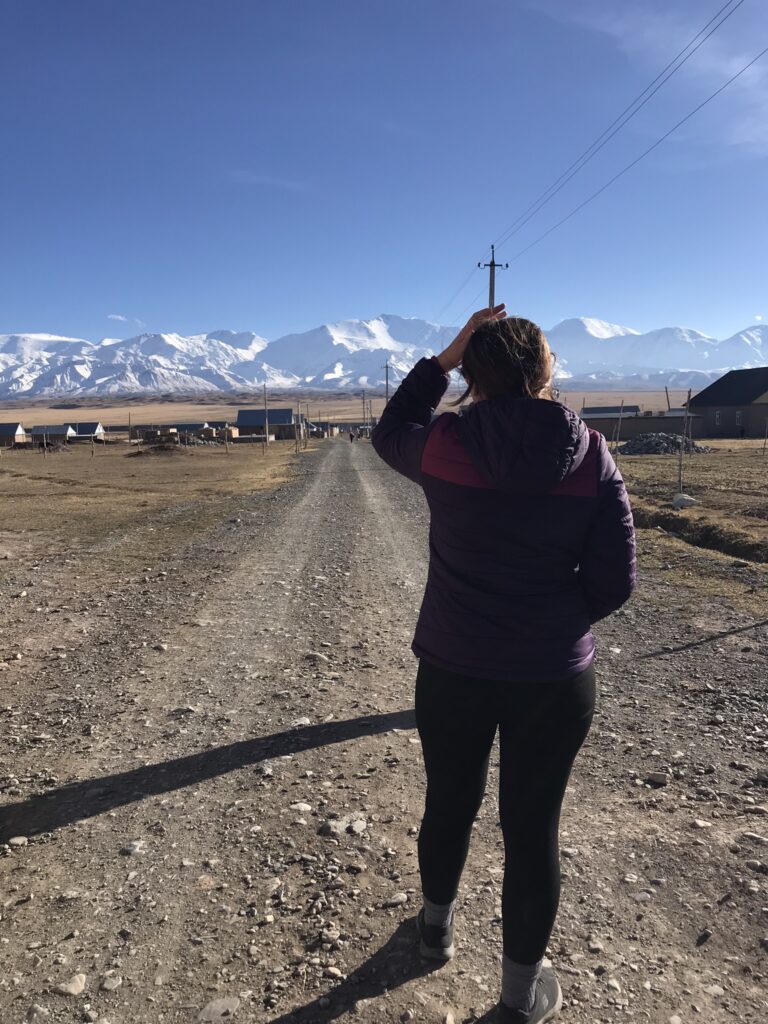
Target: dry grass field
[[730, 485], [71, 501], [322, 405]]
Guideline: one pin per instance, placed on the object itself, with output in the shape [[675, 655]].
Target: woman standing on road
[[531, 541]]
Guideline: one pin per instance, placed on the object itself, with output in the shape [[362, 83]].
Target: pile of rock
[[661, 444]]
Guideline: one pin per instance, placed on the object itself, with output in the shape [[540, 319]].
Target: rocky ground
[[210, 784]]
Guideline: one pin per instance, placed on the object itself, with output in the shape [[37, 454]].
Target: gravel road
[[210, 784]]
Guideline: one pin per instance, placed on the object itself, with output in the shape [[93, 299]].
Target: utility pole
[[266, 420], [364, 407], [492, 282], [682, 445], [386, 382]]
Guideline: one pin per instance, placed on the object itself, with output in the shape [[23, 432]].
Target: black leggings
[[541, 728]]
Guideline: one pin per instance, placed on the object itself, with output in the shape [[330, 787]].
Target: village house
[[736, 405], [283, 424], [608, 411], [11, 434], [221, 429], [186, 431], [622, 425], [88, 432], [52, 432]]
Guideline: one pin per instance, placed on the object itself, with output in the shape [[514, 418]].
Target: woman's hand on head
[[452, 356]]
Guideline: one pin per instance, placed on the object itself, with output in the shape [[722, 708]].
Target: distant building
[[187, 430], [629, 424], [283, 423], [88, 432], [52, 432], [736, 405], [604, 411], [327, 428], [11, 434]]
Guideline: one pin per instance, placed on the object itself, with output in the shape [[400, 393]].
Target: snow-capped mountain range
[[350, 354]]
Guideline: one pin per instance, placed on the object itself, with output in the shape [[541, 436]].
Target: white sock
[[518, 984]]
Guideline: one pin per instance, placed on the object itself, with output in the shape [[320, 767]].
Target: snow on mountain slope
[[672, 348], [581, 342], [346, 354], [745, 349], [356, 350]]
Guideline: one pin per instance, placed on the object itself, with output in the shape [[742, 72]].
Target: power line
[[471, 306], [637, 159], [616, 125], [613, 128], [459, 290]]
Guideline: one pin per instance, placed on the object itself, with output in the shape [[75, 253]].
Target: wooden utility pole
[[386, 382], [266, 419], [682, 445], [618, 431], [363, 408], [666, 392], [492, 266]]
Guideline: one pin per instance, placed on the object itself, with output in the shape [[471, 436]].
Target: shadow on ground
[[396, 963], [693, 644], [88, 797]]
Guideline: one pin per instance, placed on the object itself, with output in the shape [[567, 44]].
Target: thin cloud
[[758, 316], [117, 316], [651, 33], [268, 181]]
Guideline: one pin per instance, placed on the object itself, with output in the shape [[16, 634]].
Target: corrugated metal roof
[[610, 410], [737, 387], [53, 428], [190, 428], [10, 429], [85, 429], [255, 417]]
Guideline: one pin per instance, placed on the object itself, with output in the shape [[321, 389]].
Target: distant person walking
[[351, 435], [531, 541]]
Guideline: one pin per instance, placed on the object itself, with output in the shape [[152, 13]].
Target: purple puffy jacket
[[531, 537]]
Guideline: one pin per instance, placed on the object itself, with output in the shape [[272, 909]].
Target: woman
[[531, 541]]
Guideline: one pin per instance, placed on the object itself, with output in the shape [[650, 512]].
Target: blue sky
[[271, 165]]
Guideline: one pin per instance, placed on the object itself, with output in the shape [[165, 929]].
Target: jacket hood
[[524, 445]]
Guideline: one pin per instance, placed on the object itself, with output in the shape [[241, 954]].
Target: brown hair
[[508, 357]]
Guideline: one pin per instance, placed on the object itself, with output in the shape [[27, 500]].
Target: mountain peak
[[593, 327], [345, 354]]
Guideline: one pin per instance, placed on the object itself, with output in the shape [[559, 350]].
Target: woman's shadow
[[395, 963]]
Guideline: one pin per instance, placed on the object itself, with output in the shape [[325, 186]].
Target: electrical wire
[[458, 291], [637, 159], [615, 127]]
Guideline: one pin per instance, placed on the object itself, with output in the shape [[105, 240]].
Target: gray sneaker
[[549, 1001], [436, 942]]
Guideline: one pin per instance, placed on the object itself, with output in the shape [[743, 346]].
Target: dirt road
[[210, 784]]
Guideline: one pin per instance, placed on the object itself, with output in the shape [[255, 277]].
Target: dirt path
[[219, 785]]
